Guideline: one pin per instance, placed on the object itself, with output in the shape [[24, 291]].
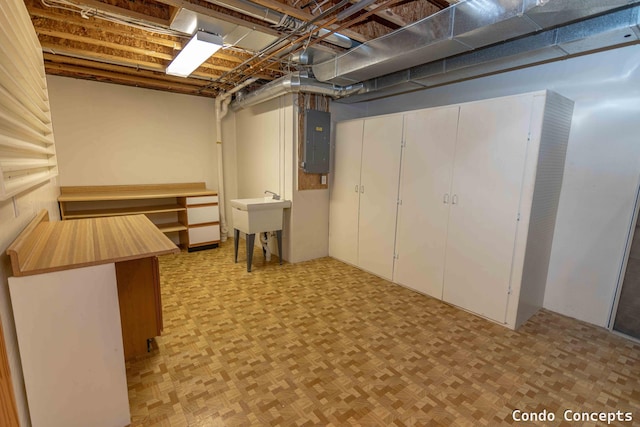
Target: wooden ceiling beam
[[218, 15], [442, 4], [59, 49], [107, 28], [136, 80], [388, 15], [121, 11], [88, 64], [304, 16], [209, 64], [104, 43], [121, 82]]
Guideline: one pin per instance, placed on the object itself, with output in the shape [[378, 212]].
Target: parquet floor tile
[[322, 343]]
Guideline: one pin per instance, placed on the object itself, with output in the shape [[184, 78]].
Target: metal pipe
[[221, 106], [276, 18]]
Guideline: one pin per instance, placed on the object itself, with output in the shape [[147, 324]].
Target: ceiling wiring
[[92, 12]]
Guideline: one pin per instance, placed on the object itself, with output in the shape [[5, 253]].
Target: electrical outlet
[[323, 180]]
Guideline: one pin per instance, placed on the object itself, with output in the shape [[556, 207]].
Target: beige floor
[[322, 343]]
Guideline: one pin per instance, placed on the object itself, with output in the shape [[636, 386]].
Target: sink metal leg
[[279, 237], [264, 249], [250, 242], [236, 237]]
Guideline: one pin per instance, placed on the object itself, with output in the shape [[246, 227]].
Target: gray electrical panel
[[317, 125]]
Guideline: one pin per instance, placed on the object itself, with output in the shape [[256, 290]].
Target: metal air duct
[[605, 31], [292, 83], [463, 27]]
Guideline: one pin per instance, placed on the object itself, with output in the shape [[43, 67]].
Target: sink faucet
[[275, 196]]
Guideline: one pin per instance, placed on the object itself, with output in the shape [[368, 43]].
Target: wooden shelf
[[132, 192], [96, 213], [171, 227], [169, 216]]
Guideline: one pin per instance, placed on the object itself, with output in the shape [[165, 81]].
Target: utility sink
[[260, 203], [251, 216], [259, 214]]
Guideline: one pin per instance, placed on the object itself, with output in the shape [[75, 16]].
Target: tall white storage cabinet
[[427, 168], [364, 193], [479, 190], [345, 192], [495, 164]]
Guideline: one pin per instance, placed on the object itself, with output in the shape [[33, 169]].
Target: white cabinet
[[364, 193], [477, 180], [488, 174], [71, 347], [202, 218], [202, 214], [345, 192], [479, 190], [203, 234], [427, 166]]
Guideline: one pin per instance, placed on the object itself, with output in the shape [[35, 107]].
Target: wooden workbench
[[46, 246], [85, 296]]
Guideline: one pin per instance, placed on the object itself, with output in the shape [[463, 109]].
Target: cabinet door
[[202, 214], [140, 304], [345, 187], [486, 187], [381, 148], [427, 165], [204, 235], [71, 347]]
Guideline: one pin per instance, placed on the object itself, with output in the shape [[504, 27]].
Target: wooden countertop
[[61, 245]]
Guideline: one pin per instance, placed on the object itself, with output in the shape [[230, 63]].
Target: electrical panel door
[[317, 125]]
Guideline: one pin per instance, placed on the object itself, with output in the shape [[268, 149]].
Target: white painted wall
[[601, 172], [266, 147], [310, 225], [263, 140], [115, 135], [259, 140], [13, 222]]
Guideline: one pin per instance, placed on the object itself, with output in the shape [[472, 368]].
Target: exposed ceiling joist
[[133, 80], [132, 41], [214, 12], [122, 11], [88, 64]]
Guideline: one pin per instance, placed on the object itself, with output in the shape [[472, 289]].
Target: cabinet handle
[[454, 199], [445, 199], [356, 188], [362, 189]]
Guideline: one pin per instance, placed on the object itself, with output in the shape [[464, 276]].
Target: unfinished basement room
[[319, 213]]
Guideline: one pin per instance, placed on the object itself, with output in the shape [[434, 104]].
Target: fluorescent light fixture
[[201, 46]]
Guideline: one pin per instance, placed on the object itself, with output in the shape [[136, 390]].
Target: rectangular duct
[[463, 27], [604, 31]]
